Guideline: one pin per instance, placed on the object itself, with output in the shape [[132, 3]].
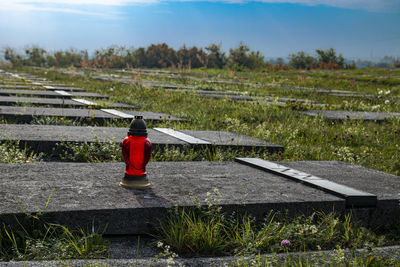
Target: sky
[[366, 29]]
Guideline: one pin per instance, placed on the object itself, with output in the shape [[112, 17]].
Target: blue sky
[[355, 28]]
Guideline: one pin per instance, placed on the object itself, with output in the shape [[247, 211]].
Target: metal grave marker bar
[[354, 198], [84, 101], [118, 113], [61, 92], [184, 137]]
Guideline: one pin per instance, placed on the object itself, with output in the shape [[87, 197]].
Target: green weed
[[207, 231], [10, 152], [32, 238]]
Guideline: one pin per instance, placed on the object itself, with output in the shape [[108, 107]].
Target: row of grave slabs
[[263, 100], [89, 193]]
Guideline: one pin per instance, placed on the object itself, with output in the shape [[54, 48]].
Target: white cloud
[[81, 2], [72, 5], [66, 6]]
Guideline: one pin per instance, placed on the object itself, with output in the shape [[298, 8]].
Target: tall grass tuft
[[207, 231]]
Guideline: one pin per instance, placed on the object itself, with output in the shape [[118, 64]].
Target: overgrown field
[[209, 232], [370, 144]]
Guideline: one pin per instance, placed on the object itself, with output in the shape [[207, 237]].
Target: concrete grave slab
[[10, 86], [95, 103], [86, 194], [233, 97], [229, 139], [166, 86], [125, 252], [44, 138], [354, 197], [352, 115], [150, 115], [12, 101], [40, 93], [354, 95], [218, 92], [26, 114], [279, 100], [64, 88], [385, 186], [49, 93], [7, 82], [57, 102], [182, 136]]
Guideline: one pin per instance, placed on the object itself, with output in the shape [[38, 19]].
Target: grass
[[29, 237], [335, 258], [199, 232], [195, 232], [110, 151], [93, 152], [368, 144], [10, 152]]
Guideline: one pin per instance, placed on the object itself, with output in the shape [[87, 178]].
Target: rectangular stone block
[[26, 114], [54, 102], [352, 115], [44, 138], [64, 88], [230, 139], [354, 197], [87, 194]]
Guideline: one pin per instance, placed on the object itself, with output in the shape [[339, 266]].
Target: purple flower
[[303, 230], [285, 243], [366, 135]]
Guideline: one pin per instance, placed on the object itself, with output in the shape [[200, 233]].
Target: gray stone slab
[[55, 102], [152, 115], [385, 186], [10, 86], [354, 95], [41, 93], [44, 138], [279, 100], [182, 136], [166, 86], [229, 139], [352, 115], [233, 97], [218, 92], [90, 194], [94, 103], [26, 114], [88, 95], [392, 252], [64, 88], [58, 102], [49, 93], [354, 197], [6, 82]]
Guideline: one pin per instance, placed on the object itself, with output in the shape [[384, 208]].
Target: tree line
[[163, 56]]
